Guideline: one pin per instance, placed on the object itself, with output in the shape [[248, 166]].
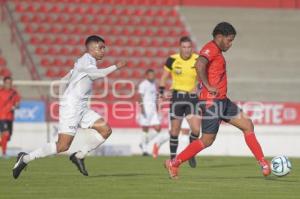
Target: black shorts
[[6, 125], [183, 104], [216, 111]]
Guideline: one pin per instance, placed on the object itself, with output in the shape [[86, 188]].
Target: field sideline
[[145, 178]]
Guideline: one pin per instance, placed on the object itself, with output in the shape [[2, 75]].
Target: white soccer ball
[[281, 165]]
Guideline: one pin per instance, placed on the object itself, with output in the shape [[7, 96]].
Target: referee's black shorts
[[183, 104], [216, 111]]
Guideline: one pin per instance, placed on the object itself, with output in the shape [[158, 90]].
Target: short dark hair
[[150, 70], [185, 39], [93, 38], [224, 28], [7, 78]]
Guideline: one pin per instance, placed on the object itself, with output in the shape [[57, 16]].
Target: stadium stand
[[55, 32], [263, 63]]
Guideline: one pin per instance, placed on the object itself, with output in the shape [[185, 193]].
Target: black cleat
[[79, 164], [20, 165], [145, 154], [193, 162]]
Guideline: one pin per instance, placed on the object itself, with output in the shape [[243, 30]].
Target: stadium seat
[[143, 32]]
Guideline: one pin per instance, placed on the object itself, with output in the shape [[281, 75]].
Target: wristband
[[161, 90]]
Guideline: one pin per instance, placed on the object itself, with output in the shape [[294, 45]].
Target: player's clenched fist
[[121, 64]]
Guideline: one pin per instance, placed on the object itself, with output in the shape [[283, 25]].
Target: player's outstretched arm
[[95, 73], [201, 67]]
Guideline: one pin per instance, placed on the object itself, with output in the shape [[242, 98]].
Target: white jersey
[[75, 89], [148, 92], [77, 84]]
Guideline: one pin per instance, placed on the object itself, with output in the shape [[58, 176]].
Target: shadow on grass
[[228, 165], [121, 175]]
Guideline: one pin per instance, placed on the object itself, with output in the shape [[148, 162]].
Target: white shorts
[[152, 119], [72, 118]]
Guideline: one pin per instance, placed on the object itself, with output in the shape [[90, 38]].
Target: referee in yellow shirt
[[184, 100]]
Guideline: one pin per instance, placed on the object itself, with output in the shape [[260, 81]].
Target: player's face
[[186, 50], [226, 42], [7, 84], [97, 50], [150, 76]]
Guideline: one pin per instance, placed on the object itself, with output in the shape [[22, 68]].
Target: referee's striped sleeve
[[169, 63]]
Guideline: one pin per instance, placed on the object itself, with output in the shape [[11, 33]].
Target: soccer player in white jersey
[[164, 137], [148, 116], [74, 112]]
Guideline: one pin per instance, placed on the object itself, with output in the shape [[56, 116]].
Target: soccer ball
[[281, 166]]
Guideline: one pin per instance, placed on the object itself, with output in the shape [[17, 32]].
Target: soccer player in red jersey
[[9, 101], [215, 106]]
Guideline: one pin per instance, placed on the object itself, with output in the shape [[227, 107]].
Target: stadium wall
[[274, 4], [276, 140], [278, 129]]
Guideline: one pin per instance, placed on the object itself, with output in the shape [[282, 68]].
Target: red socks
[[4, 140], [190, 151], [254, 146]]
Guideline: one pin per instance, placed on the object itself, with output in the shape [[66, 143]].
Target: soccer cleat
[[173, 171], [20, 165], [79, 164], [265, 167], [155, 151], [193, 162]]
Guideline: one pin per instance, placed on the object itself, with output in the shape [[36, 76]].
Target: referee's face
[[186, 50]]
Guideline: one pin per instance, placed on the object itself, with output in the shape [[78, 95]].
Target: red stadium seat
[[136, 53], [40, 51], [64, 51], [45, 62], [47, 41], [144, 42], [58, 62], [20, 8], [35, 40], [50, 73], [149, 53], [69, 63], [25, 18], [76, 52], [125, 53]]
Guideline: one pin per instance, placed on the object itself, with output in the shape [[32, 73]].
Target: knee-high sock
[[47, 150], [173, 146], [162, 138], [4, 137], [95, 141], [254, 145], [189, 152]]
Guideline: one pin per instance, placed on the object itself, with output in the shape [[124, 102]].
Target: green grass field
[[145, 178]]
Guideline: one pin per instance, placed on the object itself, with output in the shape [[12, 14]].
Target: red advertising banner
[[124, 114]]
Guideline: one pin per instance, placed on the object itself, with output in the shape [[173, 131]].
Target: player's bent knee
[[249, 127], [208, 141], [62, 148], [105, 132]]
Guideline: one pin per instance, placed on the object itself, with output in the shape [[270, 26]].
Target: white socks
[[95, 141], [146, 138], [162, 138], [47, 150]]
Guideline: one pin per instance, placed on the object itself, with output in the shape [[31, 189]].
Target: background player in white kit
[[148, 116], [74, 112]]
